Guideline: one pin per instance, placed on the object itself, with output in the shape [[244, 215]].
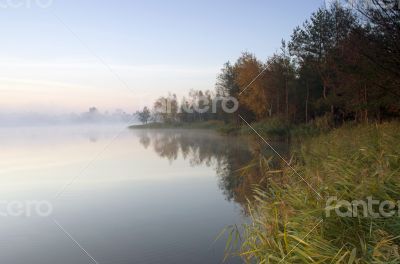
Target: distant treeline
[[341, 64], [92, 116]]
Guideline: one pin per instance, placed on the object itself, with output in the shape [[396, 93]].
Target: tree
[[279, 78], [227, 81], [308, 87], [227, 86], [254, 91], [318, 37], [339, 63], [317, 44], [166, 109], [382, 50], [144, 115]]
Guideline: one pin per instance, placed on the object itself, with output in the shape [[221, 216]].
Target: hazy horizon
[[71, 55]]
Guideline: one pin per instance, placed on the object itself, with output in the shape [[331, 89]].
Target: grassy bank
[[270, 127], [279, 127], [289, 222], [215, 125]]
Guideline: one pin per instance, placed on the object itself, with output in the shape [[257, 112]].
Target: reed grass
[[288, 221]]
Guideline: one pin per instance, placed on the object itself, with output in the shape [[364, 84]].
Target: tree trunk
[[307, 98], [366, 103], [278, 105], [287, 99], [325, 89]]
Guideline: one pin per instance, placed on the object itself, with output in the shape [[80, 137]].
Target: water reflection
[[130, 205], [227, 155]]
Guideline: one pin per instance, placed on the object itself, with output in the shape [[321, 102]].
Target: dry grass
[[288, 221]]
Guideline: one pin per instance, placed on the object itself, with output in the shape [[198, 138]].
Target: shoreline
[[271, 128], [217, 126]]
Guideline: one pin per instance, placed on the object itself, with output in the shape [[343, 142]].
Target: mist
[[91, 116]]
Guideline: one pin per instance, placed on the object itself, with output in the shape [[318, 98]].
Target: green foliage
[[289, 224], [341, 65], [323, 123], [269, 127], [229, 129]]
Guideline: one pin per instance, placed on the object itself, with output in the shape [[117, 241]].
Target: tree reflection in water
[[227, 155]]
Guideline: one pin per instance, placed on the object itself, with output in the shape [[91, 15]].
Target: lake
[[123, 196]]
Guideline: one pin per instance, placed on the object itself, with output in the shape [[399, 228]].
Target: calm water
[[139, 197]]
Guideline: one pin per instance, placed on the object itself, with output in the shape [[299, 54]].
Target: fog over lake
[[126, 196]]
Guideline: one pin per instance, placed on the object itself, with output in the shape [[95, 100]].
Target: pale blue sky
[[154, 46]]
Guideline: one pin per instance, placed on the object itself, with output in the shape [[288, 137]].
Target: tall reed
[[289, 221]]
